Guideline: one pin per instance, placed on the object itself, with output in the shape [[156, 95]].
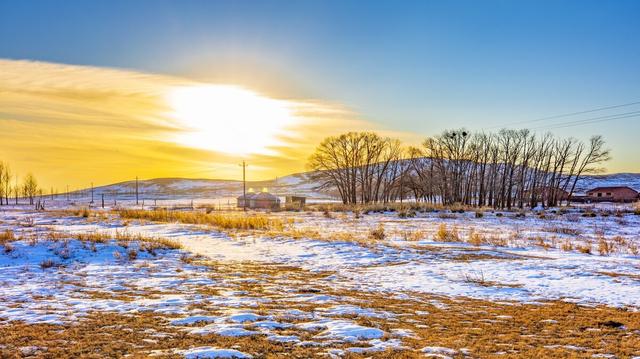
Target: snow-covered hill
[[172, 188], [296, 184], [618, 179]]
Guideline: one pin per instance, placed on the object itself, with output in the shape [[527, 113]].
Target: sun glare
[[230, 119]]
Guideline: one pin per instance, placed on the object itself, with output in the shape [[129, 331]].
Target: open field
[[113, 282]]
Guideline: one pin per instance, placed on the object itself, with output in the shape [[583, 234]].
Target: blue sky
[[418, 66]]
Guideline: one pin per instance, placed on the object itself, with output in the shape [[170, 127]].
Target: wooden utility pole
[[136, 190], [91, 193], [244, 186]]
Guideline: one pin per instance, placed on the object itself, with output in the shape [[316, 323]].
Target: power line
[[567, 114], [588, 121]]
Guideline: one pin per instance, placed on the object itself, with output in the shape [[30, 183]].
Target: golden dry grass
[[485, 328], [220, 220]]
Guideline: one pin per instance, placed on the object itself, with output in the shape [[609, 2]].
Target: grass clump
[[378, 233], [224, 221], [443, 234], [48, 263], [7, 236], [605, 247]]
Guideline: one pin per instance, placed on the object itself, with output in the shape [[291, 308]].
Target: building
[[260, 200], [612, 194], [241, 200]]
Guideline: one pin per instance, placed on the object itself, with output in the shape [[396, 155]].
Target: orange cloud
[[71, 125]]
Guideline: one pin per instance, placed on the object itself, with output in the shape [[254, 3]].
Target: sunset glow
[[230, 119]]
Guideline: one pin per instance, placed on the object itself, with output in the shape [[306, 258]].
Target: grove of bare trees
[[28, 189], [510, 168]]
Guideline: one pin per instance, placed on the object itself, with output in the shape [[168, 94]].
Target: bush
[[586, 249], [132, 254], [406, 213], [7, 236], [48, 263], [378, 233], [605, 247], [476, 239], [445, 235], [479, 214]]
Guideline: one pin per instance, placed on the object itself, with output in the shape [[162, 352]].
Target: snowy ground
[[336, 291]]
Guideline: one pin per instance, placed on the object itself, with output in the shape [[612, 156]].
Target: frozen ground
[[310, 292]]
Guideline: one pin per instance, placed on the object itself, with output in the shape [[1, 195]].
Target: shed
[[613, 194], [241, 200], [264, 200]]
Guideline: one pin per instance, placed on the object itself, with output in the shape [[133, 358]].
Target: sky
[[104, 91]]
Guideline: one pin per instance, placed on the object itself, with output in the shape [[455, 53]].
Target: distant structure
[[612, 194], [260, 200], [299, 201]]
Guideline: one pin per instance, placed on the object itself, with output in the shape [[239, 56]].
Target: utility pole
[[244, 186], [136, 190], [91, 192], [16, 189]]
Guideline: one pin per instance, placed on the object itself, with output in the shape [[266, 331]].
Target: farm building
[[260, 200], [612, 194]]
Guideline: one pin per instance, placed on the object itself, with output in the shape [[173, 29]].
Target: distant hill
[[295, 184], [618, 179], [170, 188]]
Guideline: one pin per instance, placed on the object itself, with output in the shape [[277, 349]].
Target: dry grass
[[605, 247], [485, 328], [7, 236], [224, 221], [444, 234], [378, 234]]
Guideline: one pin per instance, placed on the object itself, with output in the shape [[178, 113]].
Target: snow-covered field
[[333, 284]]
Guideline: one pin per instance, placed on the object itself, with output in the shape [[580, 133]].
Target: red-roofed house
[[612, 194]]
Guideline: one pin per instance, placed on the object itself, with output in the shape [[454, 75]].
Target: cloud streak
[[73, 125]]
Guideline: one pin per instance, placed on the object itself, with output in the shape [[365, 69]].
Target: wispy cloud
[[75, 124]]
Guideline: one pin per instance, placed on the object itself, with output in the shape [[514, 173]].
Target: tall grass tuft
[[225, 221]]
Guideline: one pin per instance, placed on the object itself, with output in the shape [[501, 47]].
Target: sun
[[230, 119]]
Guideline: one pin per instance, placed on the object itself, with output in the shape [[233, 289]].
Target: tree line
[[10, 189], [505, 169]]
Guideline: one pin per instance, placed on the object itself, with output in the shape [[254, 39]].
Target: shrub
[[406, 212], [132, 254], [7, 236], [48, 263], [605, 247], [476, 239], [567, 246], [479, 214], [443, 234], [8, 247], [378, 233], [586, 249]]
